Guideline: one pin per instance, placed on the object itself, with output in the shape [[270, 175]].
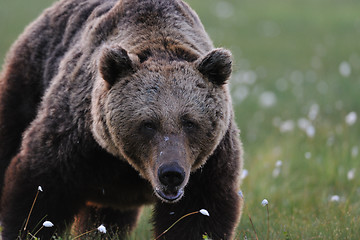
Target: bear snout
[[171, 177]]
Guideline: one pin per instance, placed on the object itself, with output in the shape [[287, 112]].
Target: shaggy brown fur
[[110, 105]]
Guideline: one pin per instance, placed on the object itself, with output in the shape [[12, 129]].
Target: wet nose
[[171, 175]]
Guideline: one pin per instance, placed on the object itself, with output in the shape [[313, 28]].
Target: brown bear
[[110, 105]]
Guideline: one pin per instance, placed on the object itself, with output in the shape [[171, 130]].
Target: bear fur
[[110, 105]]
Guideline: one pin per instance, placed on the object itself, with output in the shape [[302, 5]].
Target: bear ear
[[115, 63], [216, 65]]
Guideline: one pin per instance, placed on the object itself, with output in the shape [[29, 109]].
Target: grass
[[292, 50]]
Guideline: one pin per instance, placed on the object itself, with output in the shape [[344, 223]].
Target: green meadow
[[296, 94]]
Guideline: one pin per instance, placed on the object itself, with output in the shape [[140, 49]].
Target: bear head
[[163, 117]]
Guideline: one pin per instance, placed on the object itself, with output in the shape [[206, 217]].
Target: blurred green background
[[296, 93]]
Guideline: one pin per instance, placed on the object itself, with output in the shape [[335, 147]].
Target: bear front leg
[[56, 203], [118, 223], [214, 188]]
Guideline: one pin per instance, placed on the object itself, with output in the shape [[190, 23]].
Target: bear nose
[[171, 175]]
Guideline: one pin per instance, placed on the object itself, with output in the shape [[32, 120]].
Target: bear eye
[[149, 126], [187, 124]]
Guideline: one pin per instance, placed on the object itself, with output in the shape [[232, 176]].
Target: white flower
[[313, 112], [276, 172], [267, 99], [354, 151], [204, 212], [351, 174], [240, 93], [334, 198], [48, 224], [303, 123], [287, 126], [310, 131], [345, 69], [308, 155], [277, 169], [244, 173], [101, 229], [350, 119], [264, 202], [40, 189]]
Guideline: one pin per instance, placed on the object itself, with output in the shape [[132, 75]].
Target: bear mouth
[[169, 196]]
